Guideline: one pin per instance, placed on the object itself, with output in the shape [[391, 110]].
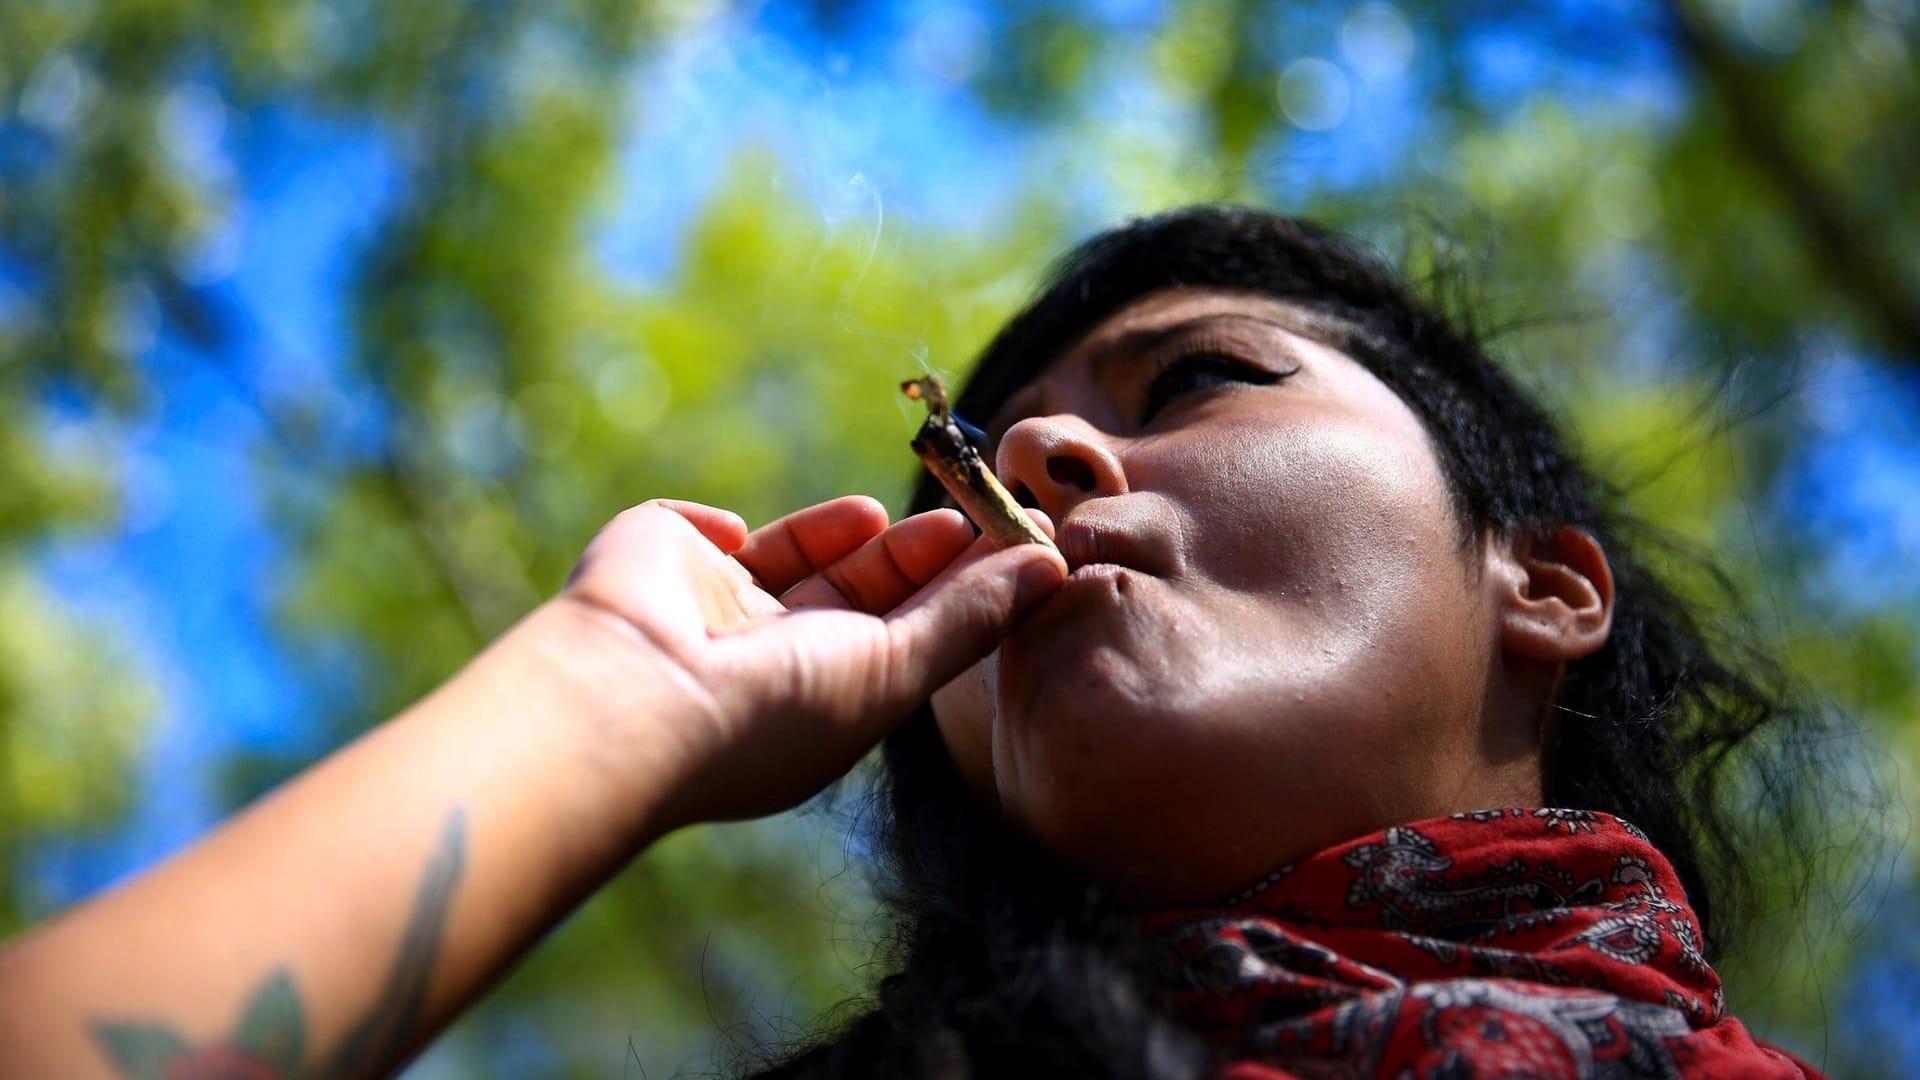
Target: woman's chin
[[1101, 614], [1084, 680]]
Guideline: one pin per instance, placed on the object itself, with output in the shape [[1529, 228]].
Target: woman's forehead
[[1182, 303], [1169, 310]]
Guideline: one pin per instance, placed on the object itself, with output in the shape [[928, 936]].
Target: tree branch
[[1846, 249], [395, 480]]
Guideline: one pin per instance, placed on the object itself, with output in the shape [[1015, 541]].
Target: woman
[[1228, 788]]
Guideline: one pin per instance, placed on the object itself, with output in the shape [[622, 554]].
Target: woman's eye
[[1196, 372]]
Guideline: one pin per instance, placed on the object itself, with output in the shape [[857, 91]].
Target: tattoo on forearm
[[269, 1040]]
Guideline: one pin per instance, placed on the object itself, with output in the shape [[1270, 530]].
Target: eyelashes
[[1198, 372], [1188, 368]]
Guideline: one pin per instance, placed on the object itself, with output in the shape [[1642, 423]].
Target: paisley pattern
[[1537, 943]]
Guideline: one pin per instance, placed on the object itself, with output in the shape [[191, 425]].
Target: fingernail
[[1036, 582]]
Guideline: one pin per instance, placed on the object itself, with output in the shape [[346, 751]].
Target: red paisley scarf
[[1501, 943]]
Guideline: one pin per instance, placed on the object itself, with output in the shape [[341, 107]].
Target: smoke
[[858, 225]]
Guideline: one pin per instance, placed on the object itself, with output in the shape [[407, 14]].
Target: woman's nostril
[[1023, 495], [1071, 471]]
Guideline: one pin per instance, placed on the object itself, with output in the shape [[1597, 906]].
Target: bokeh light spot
[[549, 416], [632, 392], [1313, 94], [1775, 26], [148, 494], [131, 322], [58, 94], [1626, 200], [1877, 39], [1376, 39], [952, 43]]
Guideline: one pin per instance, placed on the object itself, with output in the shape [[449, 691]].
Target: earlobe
[[1555, 594]]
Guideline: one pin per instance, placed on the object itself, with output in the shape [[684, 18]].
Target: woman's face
[[1273, 638]]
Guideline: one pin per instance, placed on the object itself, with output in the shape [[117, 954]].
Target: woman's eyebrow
[[1134, 342], [1107, 355]]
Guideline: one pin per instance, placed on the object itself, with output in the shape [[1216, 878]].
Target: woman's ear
[[1555, 594]]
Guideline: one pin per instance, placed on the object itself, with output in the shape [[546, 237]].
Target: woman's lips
[[1087, 572], [1100, 583], [1093, 550]]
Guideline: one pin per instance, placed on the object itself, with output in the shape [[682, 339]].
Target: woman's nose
[[1057, 463]]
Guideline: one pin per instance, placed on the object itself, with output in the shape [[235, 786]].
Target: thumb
[[960, 616]]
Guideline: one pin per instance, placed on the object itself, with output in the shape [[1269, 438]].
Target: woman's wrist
[[627, 716]]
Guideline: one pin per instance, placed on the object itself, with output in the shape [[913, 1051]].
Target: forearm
[[336, 924], [333, 927]]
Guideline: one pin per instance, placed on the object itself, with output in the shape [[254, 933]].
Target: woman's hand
[[794, 648], [690, 671]]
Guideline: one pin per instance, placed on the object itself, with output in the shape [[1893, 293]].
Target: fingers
[[723, 529], [803, 543], [881, 573], [807, 693], [869, 672], [664, 564], [653, 563], [962, 615]]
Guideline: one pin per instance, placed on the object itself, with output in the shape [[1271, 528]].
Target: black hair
[[1008, 963]]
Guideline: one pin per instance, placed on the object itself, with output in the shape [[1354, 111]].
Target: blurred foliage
[[1681, 211]]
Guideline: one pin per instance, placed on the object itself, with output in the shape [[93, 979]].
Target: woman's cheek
[[963, 709]]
